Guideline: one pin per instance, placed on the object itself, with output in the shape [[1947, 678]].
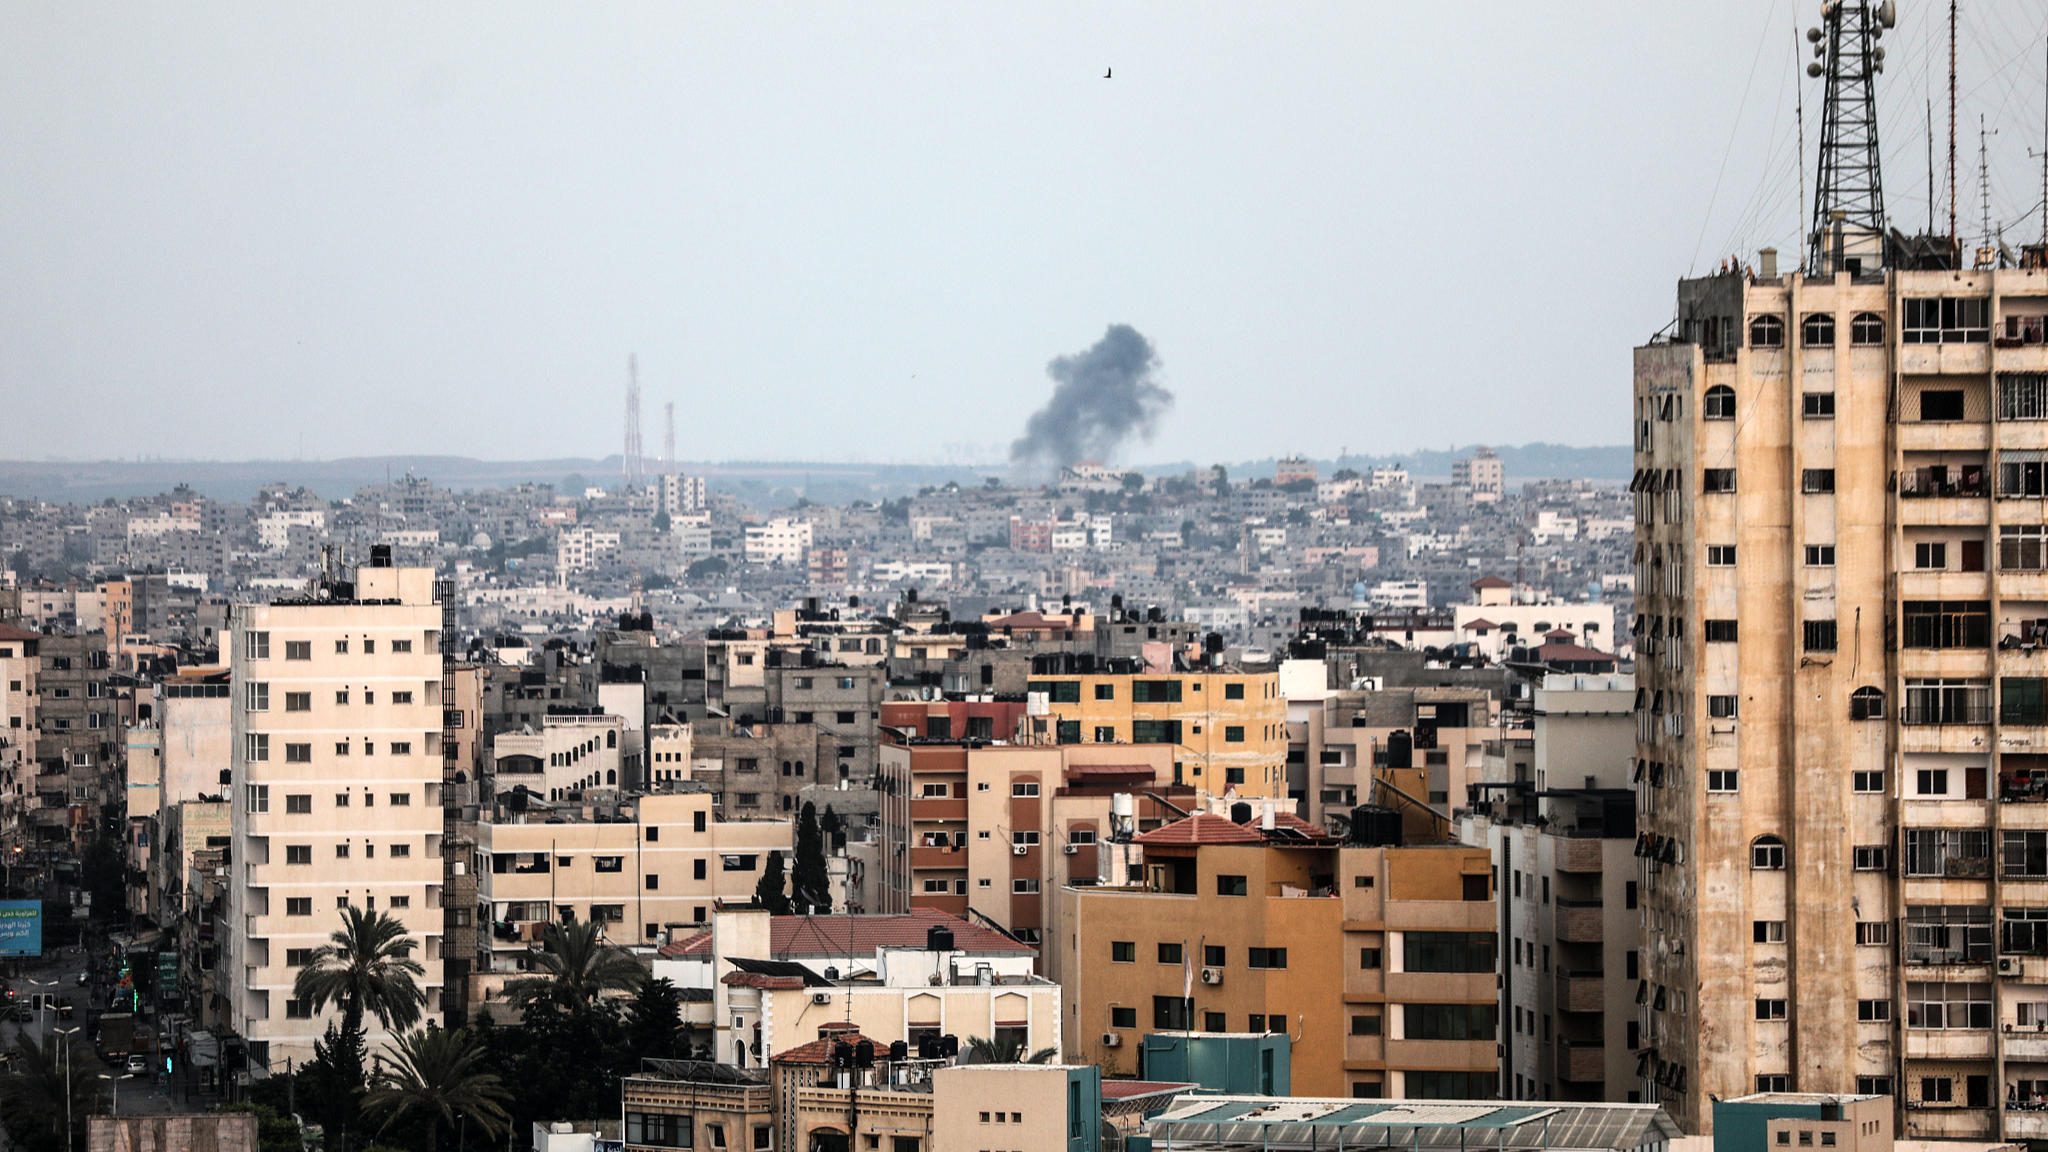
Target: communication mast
[[632, 467], [1848, 198], [668, 439]]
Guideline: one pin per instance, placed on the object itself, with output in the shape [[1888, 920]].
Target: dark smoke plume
[[1103, 397]]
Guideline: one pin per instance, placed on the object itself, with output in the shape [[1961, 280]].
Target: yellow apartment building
[[1228, 728]]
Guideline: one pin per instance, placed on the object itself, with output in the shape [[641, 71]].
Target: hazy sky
[[860, 231]]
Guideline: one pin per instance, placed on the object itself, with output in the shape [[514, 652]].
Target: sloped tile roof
[[819, 1051], [1202, 828]]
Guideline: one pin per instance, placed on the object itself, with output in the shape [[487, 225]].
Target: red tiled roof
[[10, 632], [1481, 623], [1290, 820], [1570, 652], [1491, 582], [819, 1051], [859, 935], [1201, 828], [756, 980], [1116, 770]]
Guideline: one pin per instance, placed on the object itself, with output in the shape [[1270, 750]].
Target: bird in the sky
[[1106, 72]]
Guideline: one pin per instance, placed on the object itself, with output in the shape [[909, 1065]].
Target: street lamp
[[116, 1080], [45, 997], [68, 1093]]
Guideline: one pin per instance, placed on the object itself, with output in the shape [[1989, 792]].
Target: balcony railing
[[1923, 485], [1942, 712]]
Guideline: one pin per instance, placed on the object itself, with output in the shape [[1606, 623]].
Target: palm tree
[[34, 1099], [576, 968], [368, 967], [984, 1051], [431, 1074]]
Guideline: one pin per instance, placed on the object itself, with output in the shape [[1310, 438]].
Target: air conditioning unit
[[1019, 849], [2008, 966], [821, 997], [1070, 849], [1212, 975], [1112, 1040]]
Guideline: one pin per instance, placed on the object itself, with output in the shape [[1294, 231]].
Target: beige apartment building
[[18, 666], [1842, 728], [648, 867], [336, 790]]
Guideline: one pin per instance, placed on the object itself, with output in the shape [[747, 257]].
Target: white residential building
[[681, 494], [779, 541], [273, 529], [336, 795], [582, 548]]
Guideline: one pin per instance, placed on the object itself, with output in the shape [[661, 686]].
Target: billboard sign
[[21, 928]]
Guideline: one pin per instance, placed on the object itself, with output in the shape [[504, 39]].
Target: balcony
[[938, 856], [1579, 854], [1579, 991], [1583, 1061], [2026, 1119], [1581, 921], [1944, 483], [1974, 710]]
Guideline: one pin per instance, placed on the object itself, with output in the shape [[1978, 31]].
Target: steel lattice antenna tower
[[1849, 194], [633, 469], [668, 439]]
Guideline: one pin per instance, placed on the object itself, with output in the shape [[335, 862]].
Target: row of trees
[[809, 885]]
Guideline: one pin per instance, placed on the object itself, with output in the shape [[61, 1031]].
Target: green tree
[[706, 568], [333, 1081], [106, 878], [829, 823], [573, 485], [1132, 481], [274, 1132], [366, 967], [654, 1020], [431, 1075], [768, 892], [981, 1050], [810, 884], [577, 967], [51, 1078], [662, 523]]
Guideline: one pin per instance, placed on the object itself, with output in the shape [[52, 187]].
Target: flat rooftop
[[1214, 1124]]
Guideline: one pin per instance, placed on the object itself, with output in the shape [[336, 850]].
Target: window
[[1719, 631], [1719, 403], [1722, 779], [1820, 555], [297, 957], [1155, 691], [298, 753], [401, 697], [300, 804], [1930, 555], [2023, 853], [1721, 707], [1817, 480], [1370, 959], [1450, 1021], [1868, 704], [1871, 858], [2024, 930], [1818, 330], [1720, 555], [341, 696], [1873, 1011], [257, 697], [738, 863], [298, 906], [2023, 473], [1767, 931], [1933, 782], [1947, 934], [1024, 788], [1947, 1006], [1447, 951], [1023, 838], [2022, 396], [1937, 1090], [1057, 691], [1230, 885], [1169, 1013], [2022, 700], [2021, 547], [341, 851], [1947, 852], [1267, 958], [1873, 1085], [1770, 1009], [1024, 887], [1123, 1017], [341, 647], [1105, 734], [1774, 1082], [401, 646], [401, 799], [1875, 933], [1233, 734], [298, 854], [259, 798], [1936, 701], [298, 649], [1233, 691], [1767, 853], [298, 701], [660, 1130], [1944, 320], [1717, 480], [1820, 635], [935, 791], [1365, 1025], [256, 645], [1170, 954], [1766, 331], [1123, 951], [1946, 624]]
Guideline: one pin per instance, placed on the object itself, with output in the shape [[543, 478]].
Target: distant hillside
[[1527, 462]]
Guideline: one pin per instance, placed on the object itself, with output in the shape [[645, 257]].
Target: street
[[59, 974]]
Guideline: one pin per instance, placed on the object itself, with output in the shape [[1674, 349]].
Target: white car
[[137, 1065]]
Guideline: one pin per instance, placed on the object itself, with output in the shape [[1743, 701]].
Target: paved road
[[60, 974]]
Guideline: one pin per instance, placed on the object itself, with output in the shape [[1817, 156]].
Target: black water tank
[[938, 938], [1375, 827], [1240, 813], [1400, 750], [380, 555]]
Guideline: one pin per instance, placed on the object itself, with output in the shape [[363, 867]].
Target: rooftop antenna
[[1952, 126], [1848, 197], [2044, 164], [1930, 164], [1985, 253], [633, 471], [1799, 111]]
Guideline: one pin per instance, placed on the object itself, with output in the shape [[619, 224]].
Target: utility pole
[[1955, 251]]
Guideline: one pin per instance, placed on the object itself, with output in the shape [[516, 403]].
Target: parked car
[[138, 1064]]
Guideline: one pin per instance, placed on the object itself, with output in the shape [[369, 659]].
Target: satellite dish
[[1877, 54], [1888, 14], [1813, 69], [1813, 34]]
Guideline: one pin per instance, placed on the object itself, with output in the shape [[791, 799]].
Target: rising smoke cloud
[[1103, 397]]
